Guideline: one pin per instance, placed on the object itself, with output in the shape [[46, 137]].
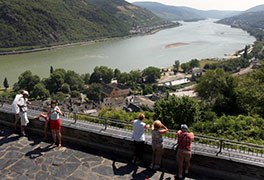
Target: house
[[196, 72], [114, 90], [139, 103]]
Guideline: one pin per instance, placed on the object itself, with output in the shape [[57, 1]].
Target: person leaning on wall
[[184, 152], [158, 129], [139, 138]]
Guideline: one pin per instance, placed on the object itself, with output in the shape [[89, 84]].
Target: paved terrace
[[31, 158]]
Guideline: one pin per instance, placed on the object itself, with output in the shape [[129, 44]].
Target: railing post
[[220, 148], [75, 117], [105, 123]]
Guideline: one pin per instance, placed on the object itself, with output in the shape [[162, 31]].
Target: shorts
[[184, 155], [55, 124], [24, 118]]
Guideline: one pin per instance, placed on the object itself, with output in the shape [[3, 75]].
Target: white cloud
[[211, 4]]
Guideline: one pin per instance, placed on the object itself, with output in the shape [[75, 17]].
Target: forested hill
[[252, 22], [182, 12], [25, 23]]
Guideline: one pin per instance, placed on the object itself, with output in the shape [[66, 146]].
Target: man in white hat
[[15, 108], [22, 104]]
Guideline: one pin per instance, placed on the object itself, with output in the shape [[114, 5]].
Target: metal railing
[[202, 143]]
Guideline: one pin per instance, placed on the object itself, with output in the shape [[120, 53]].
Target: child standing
[[44, 115], [158, 129]]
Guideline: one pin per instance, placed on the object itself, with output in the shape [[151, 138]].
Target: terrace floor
[[31, 158]]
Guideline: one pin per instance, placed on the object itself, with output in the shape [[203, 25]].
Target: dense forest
[[26, 24]]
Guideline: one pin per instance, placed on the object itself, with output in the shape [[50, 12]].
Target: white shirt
[[54, 115], [138, 130], [22, 103], [15, 108]]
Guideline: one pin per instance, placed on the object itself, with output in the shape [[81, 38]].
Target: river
[[203, 39]]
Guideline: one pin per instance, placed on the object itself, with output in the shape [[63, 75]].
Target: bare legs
[[45, 130], [16, 120], [56, 133], [183, 156], [23, 130]]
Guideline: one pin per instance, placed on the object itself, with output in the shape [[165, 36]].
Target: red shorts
[[55, 124]]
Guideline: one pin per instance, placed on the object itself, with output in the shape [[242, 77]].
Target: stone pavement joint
[[31, 158]]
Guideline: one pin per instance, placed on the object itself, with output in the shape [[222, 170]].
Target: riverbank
[[32, 49]]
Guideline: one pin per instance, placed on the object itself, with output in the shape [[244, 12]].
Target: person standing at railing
[[158, 129], [139, 138], [44, 115], [15, 108], [55, 123], [23, 108], [184, 152]]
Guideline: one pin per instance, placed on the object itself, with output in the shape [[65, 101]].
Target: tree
[[185, 67], [65, 88], [86, 78], [51, 70], [245, 54], [55, 81], [250, 96], [151, 74], [59, 96], [136, 76], [40, 91], [74, 80], [75, 94], [174, 111], [117, 73], [218, 89], [5, 83], [26, 81], [102, 74], [94, 92], [194, 63], [124, 77], [147, 89], [176, 66]]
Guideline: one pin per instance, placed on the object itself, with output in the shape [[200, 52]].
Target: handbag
[[177, 145]]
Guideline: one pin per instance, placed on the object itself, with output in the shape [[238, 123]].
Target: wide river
[[203, 39]]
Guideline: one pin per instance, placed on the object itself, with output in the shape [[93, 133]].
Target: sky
[[211, 4]]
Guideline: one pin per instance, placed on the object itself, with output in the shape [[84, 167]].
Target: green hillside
[[25, 23], [253, 22]]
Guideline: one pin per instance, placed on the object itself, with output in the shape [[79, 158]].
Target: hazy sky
[[211, 4]]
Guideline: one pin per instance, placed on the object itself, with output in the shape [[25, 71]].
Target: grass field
[[203, 62]]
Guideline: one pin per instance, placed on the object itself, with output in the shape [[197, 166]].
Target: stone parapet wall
[[104, 140]]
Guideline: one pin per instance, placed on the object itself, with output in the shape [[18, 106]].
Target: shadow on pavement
[[127, 169], [5, 137], [35, 153], [145, 174]]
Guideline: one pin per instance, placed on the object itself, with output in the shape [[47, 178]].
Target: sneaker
[[151, 166], [186, 172], [156, 166]]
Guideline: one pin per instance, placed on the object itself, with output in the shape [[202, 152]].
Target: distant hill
[[253, 22], [183, 13], [256, 8], [25, 23]]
